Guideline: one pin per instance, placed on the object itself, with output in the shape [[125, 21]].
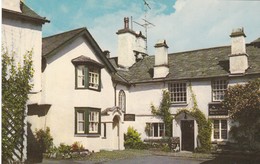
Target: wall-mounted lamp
[[185, 115]]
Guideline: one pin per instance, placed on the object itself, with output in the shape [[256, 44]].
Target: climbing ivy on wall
[[164, 112], [15, 89], [204, 125]]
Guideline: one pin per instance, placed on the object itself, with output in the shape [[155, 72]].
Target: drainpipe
[[115, 92]]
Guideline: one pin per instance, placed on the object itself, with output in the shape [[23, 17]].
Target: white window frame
[[152, 129], [80, 131], [81, 76], [220, 129], [178, 92], [93, 121], [93, 78], [219, 88]]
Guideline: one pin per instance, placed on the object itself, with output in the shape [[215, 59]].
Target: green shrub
[[133, 139], [44, 139]]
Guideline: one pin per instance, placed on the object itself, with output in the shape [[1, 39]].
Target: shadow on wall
[[34, 149], [34, 152]]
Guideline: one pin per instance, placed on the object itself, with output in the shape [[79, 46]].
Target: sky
[[184, 24]]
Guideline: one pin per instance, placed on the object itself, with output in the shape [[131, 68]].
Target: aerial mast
[[146, 23]]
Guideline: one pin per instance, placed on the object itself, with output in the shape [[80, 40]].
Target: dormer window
[[88, 73]]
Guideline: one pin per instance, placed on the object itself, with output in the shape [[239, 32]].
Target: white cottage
[[93, 98], [208, 72], [78, 85]]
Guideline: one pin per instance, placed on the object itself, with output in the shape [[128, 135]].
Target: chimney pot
[[107, 53], [126, 21]]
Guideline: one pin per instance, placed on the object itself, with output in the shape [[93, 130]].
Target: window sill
[[215, 102], [98, 90], [86, 135], [178, 104]]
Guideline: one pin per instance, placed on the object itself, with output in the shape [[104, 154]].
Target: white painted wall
[[140, 97], [13, 5], [60, 92], [20, 36]]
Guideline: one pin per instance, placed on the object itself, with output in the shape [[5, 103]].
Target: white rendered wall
[[19, 37], [126, 45], [238, 64], [60, 92], [13, 5], [238, 45]]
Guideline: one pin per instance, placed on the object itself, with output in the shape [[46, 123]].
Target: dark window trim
[[86, 85], [86, 111]]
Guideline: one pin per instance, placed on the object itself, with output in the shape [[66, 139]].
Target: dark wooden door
[[187, 135]]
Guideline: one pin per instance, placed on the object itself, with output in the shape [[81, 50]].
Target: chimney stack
[[161, 67], [130, 43], [107, 53], [238, 59]]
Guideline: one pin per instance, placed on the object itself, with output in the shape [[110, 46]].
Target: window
[[155, 129], [93, 77], [80, 76], [218, 89], [87, 121], [88, 77], [178, 92], [122, 100], [220, 129], [93, 122]]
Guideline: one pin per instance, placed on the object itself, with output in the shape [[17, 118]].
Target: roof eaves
[[54, 51]]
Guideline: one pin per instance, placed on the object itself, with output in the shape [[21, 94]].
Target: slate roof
[[203, 63], [85, 59], [52, 44], [27, 13]]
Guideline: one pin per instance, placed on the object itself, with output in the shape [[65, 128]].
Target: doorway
[[187, 135], [116, 141]]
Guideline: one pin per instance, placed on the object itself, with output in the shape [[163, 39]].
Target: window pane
[[161, 125], [80, 122], [155, 129], [93, 77], [80, 76], [218, 89], [93, 122], [121, 101], [178, 92], [224, 129], [216, 129]]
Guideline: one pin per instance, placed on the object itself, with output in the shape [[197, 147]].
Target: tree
[[164, 112], [15, 89], [243, 104]]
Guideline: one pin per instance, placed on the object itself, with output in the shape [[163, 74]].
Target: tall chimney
[[130, 43], [161, 67], [238, 59]]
